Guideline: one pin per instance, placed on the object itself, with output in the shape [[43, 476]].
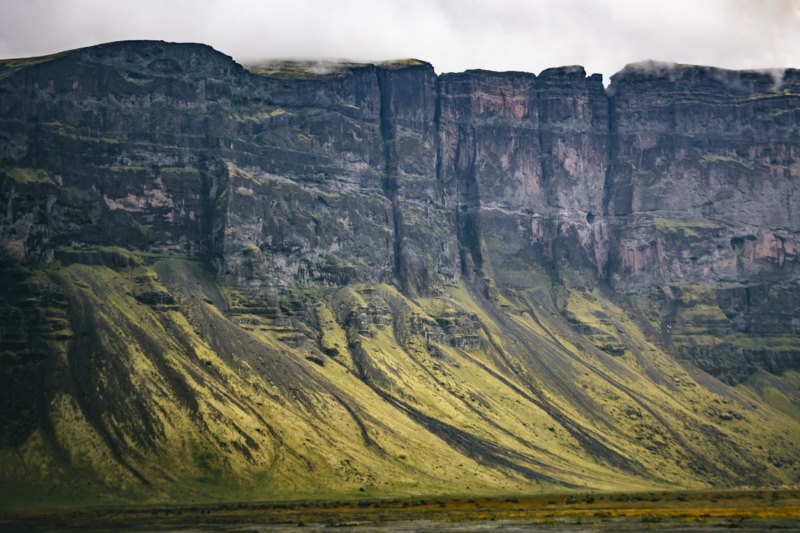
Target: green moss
[[20, 62], [260, 179], [333, 339], [702, 312], [401, 63], [127, 168], [689, 228], [305, 69], [10, 66], [72, 132], [778, 399], [261, 116], [326, 430], [28, 175], [179, 170], [233, 298], [599, 321], [719, 158], [689, 295], [775, 398], [777, 343], [643, 175], [114, 257], [792, 377], [692, 337]]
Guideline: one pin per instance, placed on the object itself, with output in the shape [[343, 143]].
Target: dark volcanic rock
[[285, 175], [526, 159], [706, 175]]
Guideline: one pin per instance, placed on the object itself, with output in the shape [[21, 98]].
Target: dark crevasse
[[389, 179], [468, 210], [423, 221]]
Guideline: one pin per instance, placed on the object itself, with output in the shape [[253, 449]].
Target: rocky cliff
[[310, 278]]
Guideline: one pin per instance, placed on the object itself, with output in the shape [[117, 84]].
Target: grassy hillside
[[155, 384]]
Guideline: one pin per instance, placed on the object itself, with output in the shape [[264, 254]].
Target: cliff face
[[718, 149], [526, 159], [530, 223], [705, 188], [690, 171]]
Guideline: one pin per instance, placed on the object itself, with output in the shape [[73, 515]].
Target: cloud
[[454, 35]]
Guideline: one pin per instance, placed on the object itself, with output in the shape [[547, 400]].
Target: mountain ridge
[[349, 279]]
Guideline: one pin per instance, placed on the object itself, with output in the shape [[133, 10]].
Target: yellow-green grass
[[28, 175], [235, 412], [689, 228]]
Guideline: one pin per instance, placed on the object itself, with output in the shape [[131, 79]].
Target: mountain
[[319, 280]]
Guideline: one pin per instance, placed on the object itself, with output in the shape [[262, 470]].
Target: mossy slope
[[155, 384]]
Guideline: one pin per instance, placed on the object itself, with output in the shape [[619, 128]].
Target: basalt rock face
[[681, 175], [704, 189], [709, 160], [308, 273], [526, 160]]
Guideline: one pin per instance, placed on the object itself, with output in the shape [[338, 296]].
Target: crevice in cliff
[[389, 180], [208, 177], [613, 151], [468, 221], [214, 218], [437, 141], [605, 270], [545, 145]]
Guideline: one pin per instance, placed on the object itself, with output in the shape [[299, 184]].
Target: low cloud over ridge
[[454, 35]]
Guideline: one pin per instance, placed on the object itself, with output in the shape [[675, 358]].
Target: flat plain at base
[[756, 510]]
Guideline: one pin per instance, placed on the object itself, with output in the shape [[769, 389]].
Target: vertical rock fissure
[[389, 180], [609, 181], [545, 144], [207, 205], [613, 150], [468, 209], [437, 141]]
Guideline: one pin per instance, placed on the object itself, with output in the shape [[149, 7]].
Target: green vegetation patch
[[10, 66], [719, 158], [71, 132], [599, 323], [261, 116], [127, 168], [304, 69], [702, 313], [28, 175], [260, 179], [179, 170], [401, 63], [689, 228]]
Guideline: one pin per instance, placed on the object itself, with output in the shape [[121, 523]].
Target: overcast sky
[[454, 35]]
